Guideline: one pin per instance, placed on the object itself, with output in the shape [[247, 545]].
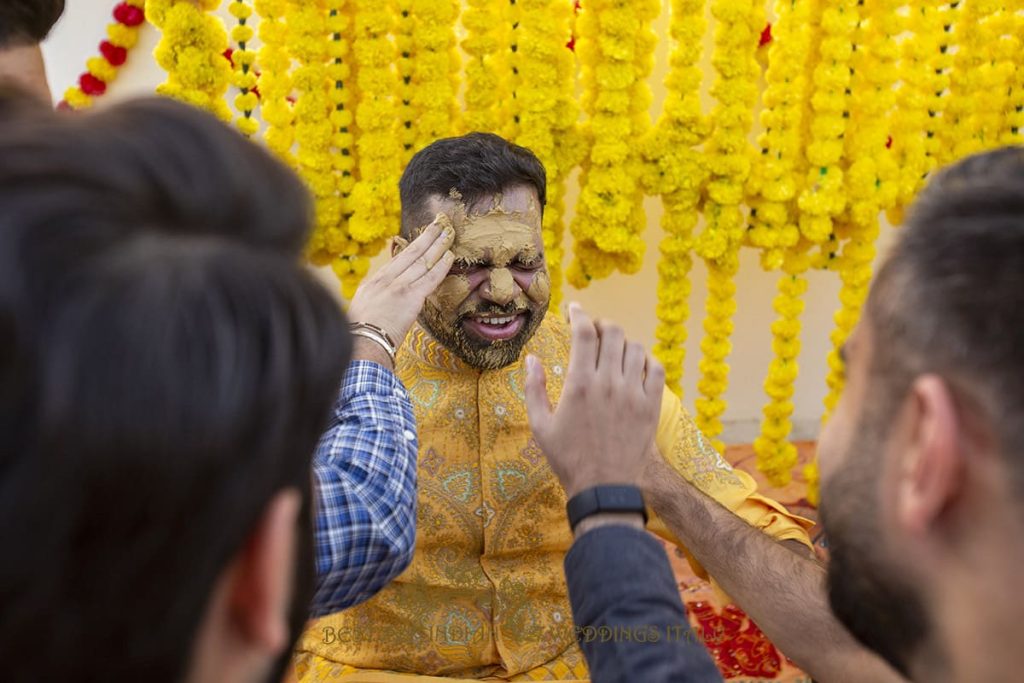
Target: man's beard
[[868, 593], [481, 353]]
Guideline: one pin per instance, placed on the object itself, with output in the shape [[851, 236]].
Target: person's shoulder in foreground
[[166, 367], [921, 463]]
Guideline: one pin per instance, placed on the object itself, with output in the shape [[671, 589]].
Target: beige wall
[[629, 300]]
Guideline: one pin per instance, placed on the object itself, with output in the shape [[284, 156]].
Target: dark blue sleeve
[[630, 621]]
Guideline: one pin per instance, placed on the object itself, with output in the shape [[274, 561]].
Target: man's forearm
[[782, 591]]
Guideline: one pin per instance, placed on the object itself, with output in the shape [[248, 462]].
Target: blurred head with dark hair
[[497, 293], [166, 367], [27, 22], [24, 24], [922, 463]]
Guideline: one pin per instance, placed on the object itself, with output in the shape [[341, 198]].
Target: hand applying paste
[[393, 297]]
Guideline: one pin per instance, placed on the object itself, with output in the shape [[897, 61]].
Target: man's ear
[[932, 466], [265, 570], [398, 243]]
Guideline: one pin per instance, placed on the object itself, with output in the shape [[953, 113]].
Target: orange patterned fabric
[[485, 595]]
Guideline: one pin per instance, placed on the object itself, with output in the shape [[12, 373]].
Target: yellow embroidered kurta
[[485, 594]]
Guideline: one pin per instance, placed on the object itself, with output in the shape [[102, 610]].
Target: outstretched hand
[[603, 429], [393, 297]]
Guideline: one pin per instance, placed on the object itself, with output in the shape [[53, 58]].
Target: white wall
[[629, 300]]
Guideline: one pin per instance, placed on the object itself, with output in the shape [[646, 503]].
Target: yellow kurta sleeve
[[689, 453]]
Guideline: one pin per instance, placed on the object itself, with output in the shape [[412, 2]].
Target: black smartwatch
[[606, 498]]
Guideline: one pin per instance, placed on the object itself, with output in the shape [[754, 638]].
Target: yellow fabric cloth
[[485, 595]]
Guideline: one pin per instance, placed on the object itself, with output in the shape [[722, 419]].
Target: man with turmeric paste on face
[[485, 595]]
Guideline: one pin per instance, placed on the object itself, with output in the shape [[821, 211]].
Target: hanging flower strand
[[483, 79], [341, 252], [191, 51], [405, 47], [775, 180], [274, 81], [616, 50], [435, 70], [776, 456], [374, 199], [102, 70], [729, 166], [546, 64], [243, 60], [674, 168], [1013, 123], [918, 102], [823, 197], [314, 131]]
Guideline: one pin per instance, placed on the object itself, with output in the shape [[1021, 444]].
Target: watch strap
[[605, 498]]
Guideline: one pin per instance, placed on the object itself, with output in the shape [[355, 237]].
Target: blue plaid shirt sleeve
[[365, 474]]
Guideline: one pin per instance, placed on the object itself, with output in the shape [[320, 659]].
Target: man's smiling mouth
[[495, 327]]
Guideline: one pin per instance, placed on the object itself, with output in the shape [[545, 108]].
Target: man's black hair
[[166, 368], [476, 166], [27, 22]]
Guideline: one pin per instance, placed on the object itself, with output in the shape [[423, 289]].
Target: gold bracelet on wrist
[[375, 334]]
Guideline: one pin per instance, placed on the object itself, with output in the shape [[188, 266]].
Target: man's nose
[[501, 287]]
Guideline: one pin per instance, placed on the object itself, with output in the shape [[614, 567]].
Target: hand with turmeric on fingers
[[390, 300]]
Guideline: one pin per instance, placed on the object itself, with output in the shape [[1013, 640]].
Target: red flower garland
[[101, 70]]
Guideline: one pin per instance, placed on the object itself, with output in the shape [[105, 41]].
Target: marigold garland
[[483, 75], [716, 346], [545, 63], [999, 50], [918, 102], [101, 71], [941, 61], [375, 197], [855, 273], [342, 95], [243, 59], [508, 41], [191, 51], [434, 86], [870, 170], [314, 130], [823, 197], [571, 144], [349, 259], [775, 184], [863, 99], [406, 49], [615, 46], [963, 124], [676, 170], [775, 181], [776, 456], [872, 178], [275, 81], [1013, 119], [729, 160]]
